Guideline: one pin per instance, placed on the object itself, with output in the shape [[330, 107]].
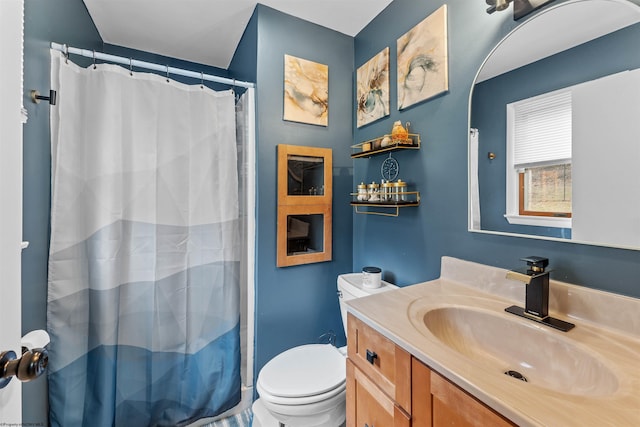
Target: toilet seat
[[303, 375], [306, 400]]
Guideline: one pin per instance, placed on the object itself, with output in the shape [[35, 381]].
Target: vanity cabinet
[[438, 402], [387, 387]]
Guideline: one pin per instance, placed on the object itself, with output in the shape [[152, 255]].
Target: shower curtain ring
[[130, 66], [167, 73], [201, 80], [94, 59]]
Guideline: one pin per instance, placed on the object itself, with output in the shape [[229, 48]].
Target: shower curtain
[[143, 297]]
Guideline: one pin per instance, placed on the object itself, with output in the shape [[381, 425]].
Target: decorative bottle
[[399, 133]]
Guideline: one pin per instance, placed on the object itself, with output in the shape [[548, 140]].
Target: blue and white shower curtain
[[143, 299]]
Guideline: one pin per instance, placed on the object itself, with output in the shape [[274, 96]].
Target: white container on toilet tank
[[371, 277]]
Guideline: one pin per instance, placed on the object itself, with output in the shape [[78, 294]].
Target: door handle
[[30, 366], [32, 363]]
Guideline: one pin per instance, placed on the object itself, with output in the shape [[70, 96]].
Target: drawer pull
[[371, 357]]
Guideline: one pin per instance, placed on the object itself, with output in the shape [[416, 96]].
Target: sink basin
[[498, 341]]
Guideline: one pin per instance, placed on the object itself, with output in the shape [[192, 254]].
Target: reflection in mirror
[[305, 234], [590, 65], [305, 175]]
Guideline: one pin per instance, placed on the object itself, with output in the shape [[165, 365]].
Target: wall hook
[[36, 97]]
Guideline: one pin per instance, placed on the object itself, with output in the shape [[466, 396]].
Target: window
[[539, 156], [545, 190]]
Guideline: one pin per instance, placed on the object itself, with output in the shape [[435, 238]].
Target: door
[[11, 12], [368, 406]]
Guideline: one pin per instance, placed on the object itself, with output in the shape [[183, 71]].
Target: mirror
[[305, 175], [552, 52]]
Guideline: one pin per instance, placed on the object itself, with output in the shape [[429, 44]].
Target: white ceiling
[[208, 31]]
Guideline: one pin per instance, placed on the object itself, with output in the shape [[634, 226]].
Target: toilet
[[305, 386]]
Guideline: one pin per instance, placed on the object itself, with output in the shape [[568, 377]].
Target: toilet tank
[[350, 286]]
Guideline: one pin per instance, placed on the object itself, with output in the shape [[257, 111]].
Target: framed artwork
[[306, 91], [522, 8], [372, 80], [423, 64]]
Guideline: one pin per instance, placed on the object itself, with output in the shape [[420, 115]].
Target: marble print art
[[423, 60], [306, 91], [373, 89]]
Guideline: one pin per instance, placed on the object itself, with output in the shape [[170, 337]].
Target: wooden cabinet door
[[368, 406], [452, 406], [388, 365], [420, 394]]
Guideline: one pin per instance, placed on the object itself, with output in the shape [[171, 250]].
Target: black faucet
[[537, 293]]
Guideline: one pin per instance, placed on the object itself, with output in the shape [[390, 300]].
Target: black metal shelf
[[360, 150]]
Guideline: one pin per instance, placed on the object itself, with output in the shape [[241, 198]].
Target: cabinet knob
[[371, 357]]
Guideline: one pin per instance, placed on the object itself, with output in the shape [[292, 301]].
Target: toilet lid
[[302, 371]]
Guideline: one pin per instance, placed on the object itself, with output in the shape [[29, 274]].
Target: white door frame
[[11, 119]]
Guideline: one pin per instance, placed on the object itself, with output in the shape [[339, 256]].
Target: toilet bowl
[[305, 386]]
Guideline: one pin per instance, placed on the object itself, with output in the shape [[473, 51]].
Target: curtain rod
[[148, 65]]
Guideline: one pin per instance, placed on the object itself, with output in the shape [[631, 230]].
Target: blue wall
[[409, 248], [244, 62], [565, 69], [295, 305]]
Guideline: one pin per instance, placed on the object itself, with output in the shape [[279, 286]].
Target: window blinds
[[542, 130]]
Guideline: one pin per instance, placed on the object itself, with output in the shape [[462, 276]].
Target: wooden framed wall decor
[[304, 175], [304, 234], [305, 186]]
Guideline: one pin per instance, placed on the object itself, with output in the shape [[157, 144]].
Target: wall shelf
[[373, 146], [386, 208], [384, 203]]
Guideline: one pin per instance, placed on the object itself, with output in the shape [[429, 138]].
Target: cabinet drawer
[[388, 366], [368, 406]]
